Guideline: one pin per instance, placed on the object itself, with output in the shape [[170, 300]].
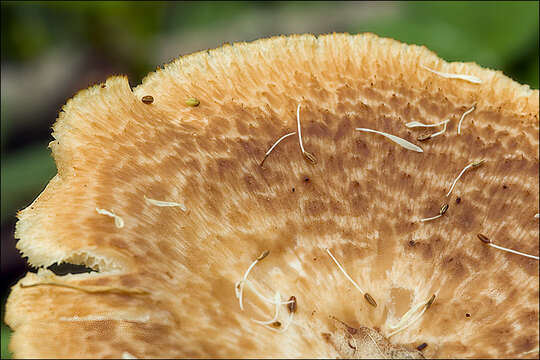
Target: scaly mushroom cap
[[166, 281]]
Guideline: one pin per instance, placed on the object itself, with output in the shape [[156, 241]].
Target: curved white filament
[[458, 177], [402, 142], [469, 78], [344, 272], [278, 141], [463, 116], [513, 251], [118, 221], [414, 124]]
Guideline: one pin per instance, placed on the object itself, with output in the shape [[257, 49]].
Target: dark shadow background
[[51, 50]]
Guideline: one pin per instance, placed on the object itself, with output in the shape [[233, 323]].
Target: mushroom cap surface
[[164, 284]]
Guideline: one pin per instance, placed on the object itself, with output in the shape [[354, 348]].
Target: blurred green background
[[50, 50]]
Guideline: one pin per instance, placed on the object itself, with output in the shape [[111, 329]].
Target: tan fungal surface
[[165, 285]]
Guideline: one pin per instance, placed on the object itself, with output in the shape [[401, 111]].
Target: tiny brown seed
[[147, 99], [263, 255], [484, 238], [443, 209], [370, 300], [292, 306], [310, 157], [428, 304], [478, 163]]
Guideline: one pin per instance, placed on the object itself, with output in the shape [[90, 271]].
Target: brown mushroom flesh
[[361, 200]]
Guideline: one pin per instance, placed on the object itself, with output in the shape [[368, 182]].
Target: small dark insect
[[147, 99], [421, 347], [276, 324], [306, 179], [292, 306], [293, 189], [468, 315], [483, 238], [412, 242], [370, 300], [458, 200]]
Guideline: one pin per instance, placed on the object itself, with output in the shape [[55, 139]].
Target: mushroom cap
[[164, 284]]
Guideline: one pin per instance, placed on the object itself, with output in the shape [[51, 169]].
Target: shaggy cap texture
[[164, 284]]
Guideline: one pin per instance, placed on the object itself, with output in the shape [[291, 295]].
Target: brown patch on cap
[[326, 336]]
